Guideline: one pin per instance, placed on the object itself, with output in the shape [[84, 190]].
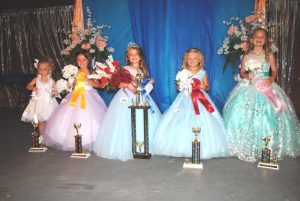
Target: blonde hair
[[200, 58], [142, 63], [47, 60], [266, 47]]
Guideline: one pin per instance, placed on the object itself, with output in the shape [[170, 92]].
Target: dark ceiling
[[23, 4]]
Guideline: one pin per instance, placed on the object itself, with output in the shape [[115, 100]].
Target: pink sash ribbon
[[262, 87]]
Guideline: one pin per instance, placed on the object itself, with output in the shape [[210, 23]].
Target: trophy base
[[273, 166], [37, 149], [142, 155], [190, 165], [80, 155]]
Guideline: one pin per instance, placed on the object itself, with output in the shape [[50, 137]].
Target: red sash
[[197, 94]]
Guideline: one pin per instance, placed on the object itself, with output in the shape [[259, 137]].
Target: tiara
[[132, 44]]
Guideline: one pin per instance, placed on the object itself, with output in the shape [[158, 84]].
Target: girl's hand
[[268, 81], [35, 89], [132, 87], [250, 76], [151, 81], [54, 93]]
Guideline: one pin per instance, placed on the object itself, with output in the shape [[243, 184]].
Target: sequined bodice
[[257, 63]]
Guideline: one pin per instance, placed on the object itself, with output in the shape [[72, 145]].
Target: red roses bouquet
[[121, 75]]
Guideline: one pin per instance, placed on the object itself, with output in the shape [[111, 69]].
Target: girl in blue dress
[[114, 140], [258, 107], [192, 108]]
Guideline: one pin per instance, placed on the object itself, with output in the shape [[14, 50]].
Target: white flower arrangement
[[252, 66], [69, 71], [61, 87], [184, 81]]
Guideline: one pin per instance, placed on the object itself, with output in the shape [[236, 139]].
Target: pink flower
[[231, 30], [86, 32], [76, 40], [68, 50], [250, 18], [244, 46], [101, 42]]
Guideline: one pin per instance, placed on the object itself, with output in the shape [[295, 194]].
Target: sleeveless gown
[[114, 140], [60, 130], [42, 103], [174, 134], [251, 113]]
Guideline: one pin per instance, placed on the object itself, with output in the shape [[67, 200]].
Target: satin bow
[[196, 95]]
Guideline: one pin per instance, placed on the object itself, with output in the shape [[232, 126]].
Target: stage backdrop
[[165, 29]]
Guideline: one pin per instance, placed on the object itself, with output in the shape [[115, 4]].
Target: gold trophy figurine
[[195, 164], [36, 146], [266, 161], [79, 153], [138, 96]]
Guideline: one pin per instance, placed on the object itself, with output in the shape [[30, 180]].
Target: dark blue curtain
[[165, 29]]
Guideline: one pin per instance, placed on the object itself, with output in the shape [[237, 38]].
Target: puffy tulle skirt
[[40, 108], [114, 140], [249, 116], [60, 131], [174, 134]]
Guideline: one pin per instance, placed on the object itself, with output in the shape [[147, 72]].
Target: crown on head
[[132, 44]]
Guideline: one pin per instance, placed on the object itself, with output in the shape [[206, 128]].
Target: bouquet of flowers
[[90, 39], [184, 81], [236, 43], [69, 73], [121, 75], [61, 87], [104, 71]]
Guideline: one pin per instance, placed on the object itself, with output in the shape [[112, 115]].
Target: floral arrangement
[[104, 71], [184, 81], [69, 73], [90, 39], [236, 43], [61, 87], [121, 75]]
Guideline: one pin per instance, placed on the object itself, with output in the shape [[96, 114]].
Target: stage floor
[[54, 176]]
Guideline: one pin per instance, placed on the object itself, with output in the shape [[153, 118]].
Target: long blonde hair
[[200, 58], [142, 63]]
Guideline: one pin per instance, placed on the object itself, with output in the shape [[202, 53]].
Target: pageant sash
[[262, 87], [146, 93], [196, 95], [79, 91]]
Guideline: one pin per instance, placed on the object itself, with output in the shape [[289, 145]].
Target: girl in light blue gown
[[258, 107], [114, 140], [191, 108]]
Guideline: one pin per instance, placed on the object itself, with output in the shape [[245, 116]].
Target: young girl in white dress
[[42, 101]]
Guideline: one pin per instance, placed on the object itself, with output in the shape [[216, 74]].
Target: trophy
[[139, 100], [195, 164], [139, 107], [266, 161], [36, 146], [79, 153]]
